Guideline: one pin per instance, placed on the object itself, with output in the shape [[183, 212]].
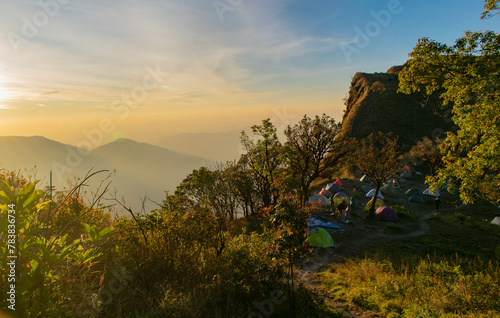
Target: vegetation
[[377, 157], [314, 147], [427, 151], [466, 76]]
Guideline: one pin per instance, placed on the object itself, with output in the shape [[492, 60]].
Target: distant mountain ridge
[[140, 169]]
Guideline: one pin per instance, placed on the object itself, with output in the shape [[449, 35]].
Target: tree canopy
[[466, 76]]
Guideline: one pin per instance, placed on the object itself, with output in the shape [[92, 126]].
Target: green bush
[[402, 212]]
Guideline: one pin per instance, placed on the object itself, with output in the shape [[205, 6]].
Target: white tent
[[372, 193], [318, 199], [341, 195], [496, 220], [431, 192]]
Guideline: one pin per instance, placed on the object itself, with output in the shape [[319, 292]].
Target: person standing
[[437, 203]]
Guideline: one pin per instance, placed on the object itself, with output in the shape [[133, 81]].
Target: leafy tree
[[427, 150], [467, 76], [290, 246], [314, 147], [377, 157], [266, 156], [490, 5]]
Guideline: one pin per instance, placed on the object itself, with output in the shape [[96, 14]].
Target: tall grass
[[430, 288]]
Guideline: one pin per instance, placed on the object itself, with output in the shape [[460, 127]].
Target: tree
[[266, 157], [490, 5], [314, 147], [467, 76], [377, 157], [290, 246], [427, 150]]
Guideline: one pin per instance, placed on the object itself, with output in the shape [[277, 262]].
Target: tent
[[431, 192], [315, 222], [407, 175], [381, 202], [386, 214], [386, 189], [339, 183], [417, 197], [318, 199], [496, 220], [411, 191], [365, 179], [341, 195], [320, 238], [366, 188], [326, 193], [372, 193], [332, 187]]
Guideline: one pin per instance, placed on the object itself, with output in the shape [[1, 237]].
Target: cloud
[[95, 43]]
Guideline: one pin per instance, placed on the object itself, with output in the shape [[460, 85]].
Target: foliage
[[490, 5], [377, 157], [314, 147], [466, 76], [427, 150], [431, 288], [402, 211], [51, 269], [290, 221], [266, 157]]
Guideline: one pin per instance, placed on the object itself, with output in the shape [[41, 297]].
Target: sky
[[74, 70]]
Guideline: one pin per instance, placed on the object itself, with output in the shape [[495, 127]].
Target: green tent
[[411, 191], [320, 238]]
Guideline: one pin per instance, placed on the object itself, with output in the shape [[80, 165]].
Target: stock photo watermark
[[11, 265], [30, 28], [267, 307], [94, 138], [224, 6], [372, 29]]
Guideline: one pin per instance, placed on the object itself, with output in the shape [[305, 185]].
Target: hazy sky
[[71, 69]]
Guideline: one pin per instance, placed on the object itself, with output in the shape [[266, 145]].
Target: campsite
[[234, 159], [454, 231]]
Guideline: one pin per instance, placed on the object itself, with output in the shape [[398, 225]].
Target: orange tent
[[339, 183]]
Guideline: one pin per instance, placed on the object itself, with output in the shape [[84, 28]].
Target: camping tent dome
[[366, 188], [372, 193], [417, 197], [326, 193], [407, 175], [496, 220], [320, 238], [339, 183], [379, 202], [332, 187], [411, 191], [431, 192], [341, 195], [365, 179], [318, 199], [386, 214]]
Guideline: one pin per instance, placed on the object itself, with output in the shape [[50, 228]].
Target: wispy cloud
[[94, 50]]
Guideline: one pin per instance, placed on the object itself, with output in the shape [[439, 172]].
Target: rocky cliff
[[375, 105]]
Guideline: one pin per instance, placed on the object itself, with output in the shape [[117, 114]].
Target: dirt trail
[[309, 272]]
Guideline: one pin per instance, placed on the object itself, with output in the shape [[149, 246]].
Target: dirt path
[[309, 272]]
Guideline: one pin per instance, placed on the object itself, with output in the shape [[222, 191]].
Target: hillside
[[375, 105], [139, 169]]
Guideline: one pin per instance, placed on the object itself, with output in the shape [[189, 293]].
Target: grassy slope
[[450, 271]]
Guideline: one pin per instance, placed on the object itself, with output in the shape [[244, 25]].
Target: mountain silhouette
[[138, 169]]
